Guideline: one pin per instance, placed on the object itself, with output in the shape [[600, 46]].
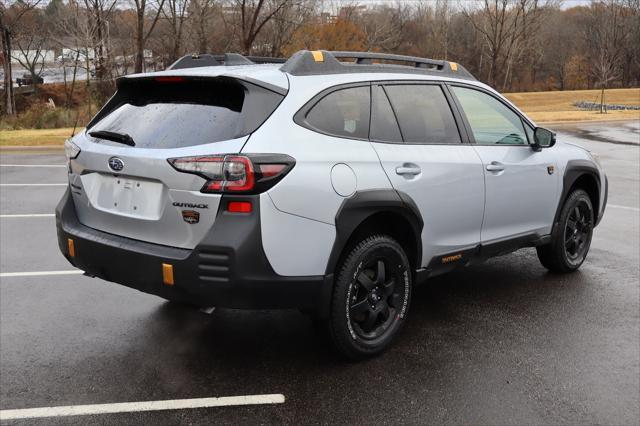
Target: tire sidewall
[[344, 334], [575, 198]]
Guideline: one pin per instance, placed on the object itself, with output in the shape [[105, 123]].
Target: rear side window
[[176, 112], [423, 113], [491, 121], [343, 113]]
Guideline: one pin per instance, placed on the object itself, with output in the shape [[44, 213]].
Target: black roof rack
[[320, 62], [208, 60]]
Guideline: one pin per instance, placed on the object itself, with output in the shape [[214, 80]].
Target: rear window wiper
[[113, 136]]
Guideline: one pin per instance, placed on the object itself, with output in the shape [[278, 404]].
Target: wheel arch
[[580, 174], [387, 212]]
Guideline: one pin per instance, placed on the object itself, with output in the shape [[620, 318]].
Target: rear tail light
[[234, 173]]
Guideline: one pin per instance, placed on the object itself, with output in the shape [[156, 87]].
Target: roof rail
[[320, 62], [229, 59]]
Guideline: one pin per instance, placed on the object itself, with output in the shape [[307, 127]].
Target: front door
[[521, 184]]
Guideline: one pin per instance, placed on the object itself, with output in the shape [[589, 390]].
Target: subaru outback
[[332, 183]]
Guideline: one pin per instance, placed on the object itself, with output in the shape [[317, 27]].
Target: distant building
[[31, 55]]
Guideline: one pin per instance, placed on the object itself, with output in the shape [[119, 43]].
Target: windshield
[[176, 112]]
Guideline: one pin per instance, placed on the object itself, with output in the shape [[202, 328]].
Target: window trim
[[456, 118], [300, 117], [523, 120], [395, 116]]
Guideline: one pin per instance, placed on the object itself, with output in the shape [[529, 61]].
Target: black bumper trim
[[227, 269]]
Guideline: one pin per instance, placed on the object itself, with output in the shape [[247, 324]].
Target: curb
[[12, 148], [586, 122]]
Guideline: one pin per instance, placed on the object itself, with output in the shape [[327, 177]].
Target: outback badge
[[191, 216]]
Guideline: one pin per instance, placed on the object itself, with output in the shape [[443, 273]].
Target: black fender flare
[[576, 169], [363, 204]]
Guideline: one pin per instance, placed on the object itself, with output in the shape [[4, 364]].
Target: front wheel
[[571, 237], [370, 298]]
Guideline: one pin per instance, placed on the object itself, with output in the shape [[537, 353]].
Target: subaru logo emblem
[[116, 164]]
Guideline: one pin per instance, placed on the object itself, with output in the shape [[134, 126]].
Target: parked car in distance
[[29, 80], [333, 183]]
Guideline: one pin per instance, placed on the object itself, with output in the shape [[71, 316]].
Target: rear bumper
[[227, 269]]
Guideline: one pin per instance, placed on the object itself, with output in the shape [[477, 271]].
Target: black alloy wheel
[[370, 298]]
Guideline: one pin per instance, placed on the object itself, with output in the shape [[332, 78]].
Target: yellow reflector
[[454, 66], [317, 56], [167, 274], [72, 247]]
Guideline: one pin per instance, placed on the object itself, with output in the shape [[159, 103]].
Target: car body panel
[[521, 199], [294, 245], [449, 192]]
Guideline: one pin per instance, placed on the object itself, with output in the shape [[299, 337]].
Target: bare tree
[[100, 10], [383, 26], [606, 37], [31, 50], [9, 20], [74, 31], [175, 11], [254, 15], [142, 34], [283, 25], [504, 25]]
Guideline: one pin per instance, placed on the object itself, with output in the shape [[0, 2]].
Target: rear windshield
[[174, 112]]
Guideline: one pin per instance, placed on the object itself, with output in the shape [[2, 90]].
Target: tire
[[571, 237], [371, 298]]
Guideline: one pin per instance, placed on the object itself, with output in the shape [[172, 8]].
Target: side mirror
[[543, 138]]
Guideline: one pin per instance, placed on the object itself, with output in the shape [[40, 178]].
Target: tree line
[[513, 45]]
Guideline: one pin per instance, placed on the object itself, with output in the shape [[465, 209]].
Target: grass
[[557, 107], [542, 107], [35, 137]]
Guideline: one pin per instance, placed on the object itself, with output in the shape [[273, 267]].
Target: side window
[[344, 113], [491, 121], [384, 127], [423, 114]]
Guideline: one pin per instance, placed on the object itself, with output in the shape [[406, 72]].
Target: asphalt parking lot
[[504, 342]]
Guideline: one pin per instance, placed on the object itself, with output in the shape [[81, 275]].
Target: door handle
[[408, 170], [495, 167]]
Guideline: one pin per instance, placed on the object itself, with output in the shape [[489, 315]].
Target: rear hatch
[[122, 182]]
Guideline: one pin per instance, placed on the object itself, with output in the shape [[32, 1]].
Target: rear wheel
[[371, 297], [571, 239]]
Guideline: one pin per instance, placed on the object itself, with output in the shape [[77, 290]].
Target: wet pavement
[[504, 342]]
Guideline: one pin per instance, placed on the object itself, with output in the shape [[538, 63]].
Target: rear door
[[521, 184], [421, 149], [134, 191]]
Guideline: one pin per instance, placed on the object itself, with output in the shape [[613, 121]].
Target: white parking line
[[635, 209], [133, 407], [33, 184], [40, 273], [8, 216], [32, 165]]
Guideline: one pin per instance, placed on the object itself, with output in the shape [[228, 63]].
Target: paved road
[[500, 343]]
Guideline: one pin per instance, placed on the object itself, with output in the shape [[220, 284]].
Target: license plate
[[126, 196]]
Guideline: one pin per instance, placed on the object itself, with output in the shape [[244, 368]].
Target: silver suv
[[333, 183]]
